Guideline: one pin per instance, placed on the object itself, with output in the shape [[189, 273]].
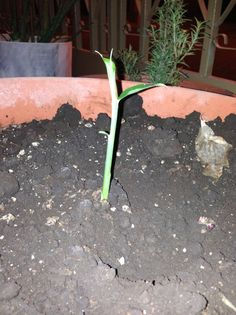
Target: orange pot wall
[[25, 99]]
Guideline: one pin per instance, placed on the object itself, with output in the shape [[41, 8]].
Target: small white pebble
[[176, 162], [58, 141], [121, 260], [132, 226], [10, 171], [162, 161], [51, 220], [88, 125], [1, 237], [118, 153], [113, 209], [126, 208], [13, 199], [184, 250], [32, 257], [35, 144], [151, 127], [8, 217], [202, 267], [21, 153]]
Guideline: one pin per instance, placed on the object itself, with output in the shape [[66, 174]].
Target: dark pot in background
[[20, 59]]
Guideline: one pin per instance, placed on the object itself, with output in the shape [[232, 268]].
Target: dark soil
[[62, 251]]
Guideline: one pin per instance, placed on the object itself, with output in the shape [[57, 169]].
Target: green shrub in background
[[169, 45], [130, 60]]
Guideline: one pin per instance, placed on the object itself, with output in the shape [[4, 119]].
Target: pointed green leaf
[[111, 73], [137, 88], [110, 65]]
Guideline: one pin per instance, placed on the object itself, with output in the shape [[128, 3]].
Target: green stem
[[109, 153], [111, 72]]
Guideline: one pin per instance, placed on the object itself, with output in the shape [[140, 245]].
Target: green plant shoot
[[111, 72]]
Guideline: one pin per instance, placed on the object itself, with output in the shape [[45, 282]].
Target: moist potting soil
[[164, 244]]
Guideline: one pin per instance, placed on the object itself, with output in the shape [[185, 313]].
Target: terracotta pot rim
[[27, 98]]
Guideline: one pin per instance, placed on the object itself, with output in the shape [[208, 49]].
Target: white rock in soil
[[151, 127], [52, 220], [8, 217], [126, 208], [35, 144], [21, 153], [121, 260]]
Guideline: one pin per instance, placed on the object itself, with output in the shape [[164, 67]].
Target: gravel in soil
[[62, 251]]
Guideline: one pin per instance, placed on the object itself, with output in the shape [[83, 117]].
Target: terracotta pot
[[25, 99]]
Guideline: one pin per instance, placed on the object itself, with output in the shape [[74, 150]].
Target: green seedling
[[111, 72]]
